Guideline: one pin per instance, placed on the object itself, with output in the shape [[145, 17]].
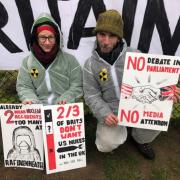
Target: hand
[[62, 102], [151, 94], [111, 120], [27, 102], [146, 94]]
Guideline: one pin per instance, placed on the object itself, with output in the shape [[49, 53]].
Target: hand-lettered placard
[[147, 91], [22, 135], [64, 137]]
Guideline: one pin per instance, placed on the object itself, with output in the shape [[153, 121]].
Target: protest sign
[[22, 135], [147, 90], [64, 137]]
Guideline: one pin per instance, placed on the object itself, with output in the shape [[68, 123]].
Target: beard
[[105, 48]]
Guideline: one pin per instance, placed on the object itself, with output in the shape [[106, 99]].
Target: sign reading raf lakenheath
[[22, 135]]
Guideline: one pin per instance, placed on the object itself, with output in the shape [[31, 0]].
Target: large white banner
[[151, 26]]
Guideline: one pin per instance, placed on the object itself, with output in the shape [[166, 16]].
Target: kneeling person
[[48, 75], [102, 78]]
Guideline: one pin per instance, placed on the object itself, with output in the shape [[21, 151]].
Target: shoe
[[146, 150]]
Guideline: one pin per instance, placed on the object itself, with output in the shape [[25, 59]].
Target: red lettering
[[137, 64], [132, 117], [70, 110], [67, 129], [123, 114], [61, 109], [10, 113]]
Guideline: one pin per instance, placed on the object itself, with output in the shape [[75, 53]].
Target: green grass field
[[125, 163]]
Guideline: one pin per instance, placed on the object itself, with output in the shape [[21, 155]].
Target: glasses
[[43, 39]]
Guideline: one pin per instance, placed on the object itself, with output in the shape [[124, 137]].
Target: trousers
[[109, 138]]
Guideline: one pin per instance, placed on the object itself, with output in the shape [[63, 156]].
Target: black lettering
[[175, 39], [155, 14], [77, 29], [128, 18], [53, 6], [26, 16], [4, 39]]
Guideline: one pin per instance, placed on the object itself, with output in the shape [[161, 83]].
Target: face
[[46, 40], [106, 41], [23, 142]]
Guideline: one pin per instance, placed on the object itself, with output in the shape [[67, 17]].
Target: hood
[[46, 18], [23, 131]]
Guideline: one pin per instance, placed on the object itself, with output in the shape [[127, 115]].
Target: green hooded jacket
[[61, 81]]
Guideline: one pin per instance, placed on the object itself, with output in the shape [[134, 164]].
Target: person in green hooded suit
[[48, 75]]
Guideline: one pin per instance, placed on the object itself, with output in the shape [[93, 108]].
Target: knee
[[144, 135], [109, 138], [104, 145], [104, 148]]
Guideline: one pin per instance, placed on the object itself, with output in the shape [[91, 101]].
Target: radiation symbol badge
[[103, 75], [34, 72]]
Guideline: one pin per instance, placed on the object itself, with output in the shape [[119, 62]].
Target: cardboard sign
[[64, 137], [22, 135], [147, 90]]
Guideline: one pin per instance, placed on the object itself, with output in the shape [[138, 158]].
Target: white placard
[[64, 137], [22, 135], [147, 90]]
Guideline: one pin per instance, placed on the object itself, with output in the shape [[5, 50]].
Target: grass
[[177, 165], [124, 163], [127, 164], [159, 173], [33, 177], [124, 168]]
